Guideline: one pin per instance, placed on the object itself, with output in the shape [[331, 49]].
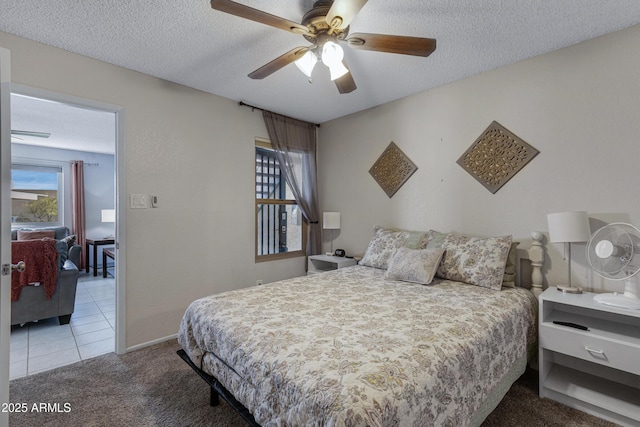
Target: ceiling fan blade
[[256, 15], [30, 133], [404, 45], [342, 12], [279, 62], [345, 84]]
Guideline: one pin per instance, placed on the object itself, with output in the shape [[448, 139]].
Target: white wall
[[579, 106], [195, 151]]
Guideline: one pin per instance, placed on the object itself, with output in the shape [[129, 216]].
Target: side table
[[107, 253], [321, 263], [588, 356], [95, 243]]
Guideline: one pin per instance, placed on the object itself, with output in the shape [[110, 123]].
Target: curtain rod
[[87, 163], [45, 161], [244, 104]]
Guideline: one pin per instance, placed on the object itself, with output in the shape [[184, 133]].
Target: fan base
[[618, 300]]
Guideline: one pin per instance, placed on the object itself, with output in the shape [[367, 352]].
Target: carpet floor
[[154, 387]]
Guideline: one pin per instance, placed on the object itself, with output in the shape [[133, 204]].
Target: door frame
[[5, 227], [120, 197]]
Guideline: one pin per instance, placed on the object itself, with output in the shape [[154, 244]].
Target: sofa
[[33, 304], [60, 233]]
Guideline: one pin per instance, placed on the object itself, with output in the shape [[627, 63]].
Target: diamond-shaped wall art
[[496, 156], [392, 169]]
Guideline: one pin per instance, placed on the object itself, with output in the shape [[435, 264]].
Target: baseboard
[[150, 343]]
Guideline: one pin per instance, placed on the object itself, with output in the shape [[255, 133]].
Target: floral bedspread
[[349, 348]]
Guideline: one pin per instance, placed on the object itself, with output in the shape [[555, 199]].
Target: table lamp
[[567, 228], [331, 221]]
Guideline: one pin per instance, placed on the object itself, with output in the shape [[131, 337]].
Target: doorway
[[56, 129]]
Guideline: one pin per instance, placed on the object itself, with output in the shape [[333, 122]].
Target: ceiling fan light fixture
[[337, 70], [307, 62], [332, 55]]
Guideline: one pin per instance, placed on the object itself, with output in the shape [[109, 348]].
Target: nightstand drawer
[[589, 346]]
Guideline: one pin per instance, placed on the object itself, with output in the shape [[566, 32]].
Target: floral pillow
[[414, 265], [475, 260], [383, 247]]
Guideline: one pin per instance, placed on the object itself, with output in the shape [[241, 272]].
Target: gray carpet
[[154, 387]]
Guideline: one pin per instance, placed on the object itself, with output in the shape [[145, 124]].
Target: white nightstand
[[321, 263], [595, 370]]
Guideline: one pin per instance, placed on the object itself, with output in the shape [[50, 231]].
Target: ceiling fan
[[14, 134], [326, 25]]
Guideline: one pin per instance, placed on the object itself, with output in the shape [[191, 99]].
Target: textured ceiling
[[71, 127], [187, 42]]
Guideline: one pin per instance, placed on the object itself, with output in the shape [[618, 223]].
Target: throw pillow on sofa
[[36, 234]]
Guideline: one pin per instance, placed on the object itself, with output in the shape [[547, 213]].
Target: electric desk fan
[[614, 253]]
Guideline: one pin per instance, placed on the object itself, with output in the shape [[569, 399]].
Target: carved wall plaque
[[392, 169], [496, 156]]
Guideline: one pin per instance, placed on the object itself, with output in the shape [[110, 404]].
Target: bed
[[371, 345]]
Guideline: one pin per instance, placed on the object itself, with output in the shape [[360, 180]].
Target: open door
[[5, 229]]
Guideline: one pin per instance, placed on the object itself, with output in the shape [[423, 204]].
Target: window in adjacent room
[[36, 192], [280, 226]]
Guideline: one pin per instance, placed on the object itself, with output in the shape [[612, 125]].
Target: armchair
[[33, 304]]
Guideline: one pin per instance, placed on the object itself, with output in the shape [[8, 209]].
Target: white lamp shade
[[568, 226], [332, 55], [307, 62], [331, 220], [108, 215], [337, 70]]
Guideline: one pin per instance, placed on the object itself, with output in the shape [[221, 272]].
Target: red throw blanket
[[41, 259]]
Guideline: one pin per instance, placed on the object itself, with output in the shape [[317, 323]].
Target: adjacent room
[[341, 212], [49, 140]]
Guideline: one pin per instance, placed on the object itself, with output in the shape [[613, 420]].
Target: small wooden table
[[95, 243], [107, 253]]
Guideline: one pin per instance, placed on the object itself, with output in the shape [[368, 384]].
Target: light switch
[[138, 201]]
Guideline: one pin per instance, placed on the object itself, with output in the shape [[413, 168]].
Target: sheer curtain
[[78, 220], [294, 143]]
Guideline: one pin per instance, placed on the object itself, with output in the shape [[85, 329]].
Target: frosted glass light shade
[[332, 55], [307, 62], [568, 227], [337, 70], [331, 220]]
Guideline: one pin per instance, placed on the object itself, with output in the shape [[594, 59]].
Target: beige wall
[[579, 106], [195, 152]]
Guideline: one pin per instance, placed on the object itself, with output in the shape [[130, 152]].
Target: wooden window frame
[[264, 143]]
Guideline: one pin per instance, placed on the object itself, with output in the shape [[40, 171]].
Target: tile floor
[[44, 345]]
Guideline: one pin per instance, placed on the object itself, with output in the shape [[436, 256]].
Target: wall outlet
[[258, 282]]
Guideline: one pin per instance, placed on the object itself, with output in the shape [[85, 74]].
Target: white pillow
[[414, 265]]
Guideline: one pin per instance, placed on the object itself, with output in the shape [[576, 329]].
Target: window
[[35, 195], [280, 227]]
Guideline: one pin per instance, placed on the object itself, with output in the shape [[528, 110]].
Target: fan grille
[[625, 261]]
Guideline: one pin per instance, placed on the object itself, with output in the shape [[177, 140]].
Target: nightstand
[[596, 370], [321, 263]]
